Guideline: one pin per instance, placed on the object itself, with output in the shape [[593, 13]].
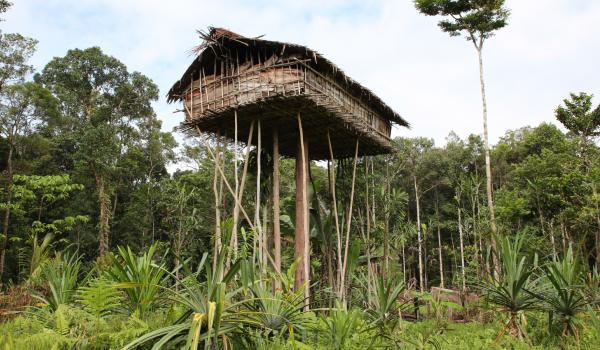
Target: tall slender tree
[[477, 20]]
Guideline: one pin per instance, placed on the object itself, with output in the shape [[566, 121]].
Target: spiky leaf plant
[[511, 289], [592, 289], [340, 326], [62, 274], [278, 313], [40, 253], [383, 305], [211, 314], [139, 277], [565, 299]]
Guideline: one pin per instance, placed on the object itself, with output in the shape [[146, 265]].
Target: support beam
[[302, 244], [276, 222], [217, 195], [258, 234]]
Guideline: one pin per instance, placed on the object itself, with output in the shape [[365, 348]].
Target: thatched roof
[[219, 42]]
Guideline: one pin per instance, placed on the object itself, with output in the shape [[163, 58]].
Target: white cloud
[[547, 50]]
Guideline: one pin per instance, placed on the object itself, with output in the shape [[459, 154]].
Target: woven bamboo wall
[[252, 83]]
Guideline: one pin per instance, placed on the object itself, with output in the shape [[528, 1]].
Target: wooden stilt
[[239, 193], [258, 234], [336, 216], [275, 193], [234, 230], [217, 163], [220, 170], [302, 243], [348, 225], [237, 199]]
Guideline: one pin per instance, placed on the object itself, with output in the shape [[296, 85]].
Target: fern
[[100, 298]]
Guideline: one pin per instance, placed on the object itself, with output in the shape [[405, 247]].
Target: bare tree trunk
[[462, 248], [488, 166], [301, 244], [103, 217], [5, 226], [236, 209], [276, 221], [259, 232], [403, 263], [368, 232], [554, 254], [386, 224], [419, 234], [217, 243], [563, 233], [338, 231], [597, 235], [239, 195], [439, 237], [348, 227]]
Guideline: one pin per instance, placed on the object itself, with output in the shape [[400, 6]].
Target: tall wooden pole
[[336, 216], [275, 192], [348, 226], [257, 225], [217, 243], [234, 231], [302, 243]]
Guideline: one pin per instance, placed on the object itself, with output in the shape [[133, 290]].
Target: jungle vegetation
[[460, 245]]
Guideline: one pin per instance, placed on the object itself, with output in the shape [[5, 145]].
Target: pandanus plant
[[62, 275], [276, 313], [139, 277], [341, 325], [565, 298], [210, 314], [511, 289], [383, 308]]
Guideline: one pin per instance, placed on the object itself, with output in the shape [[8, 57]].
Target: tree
[[20, 109], [103, 103], [4, 6], [182, 217], [414, 151], [478, 20], [579, 118], [15, 51]]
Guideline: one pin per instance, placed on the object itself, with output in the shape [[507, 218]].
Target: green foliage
[[384, 308], [479, 19], [565, 301], [139, 277], [15, 51], [511, 290], [209, 313], [578, 117], [279, 313], [100, 297], [62, 275], [341, 326], [39, 254]]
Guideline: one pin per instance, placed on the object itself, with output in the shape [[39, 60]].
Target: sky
[[549, 49]]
